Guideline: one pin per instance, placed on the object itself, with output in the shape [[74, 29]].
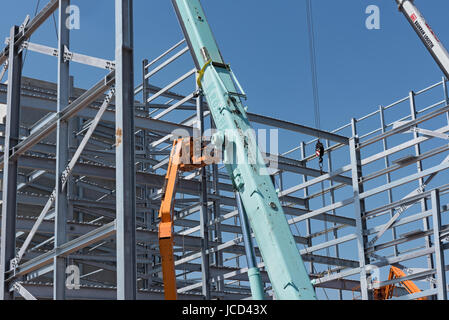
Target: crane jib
[[426, 34], [283, 263]]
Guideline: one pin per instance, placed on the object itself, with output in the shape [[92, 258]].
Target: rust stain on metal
[[119, 135]]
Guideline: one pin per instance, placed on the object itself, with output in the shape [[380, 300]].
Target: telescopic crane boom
[[426, 34], [248, 173], [250, 177]]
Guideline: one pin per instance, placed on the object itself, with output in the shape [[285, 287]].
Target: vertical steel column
[[306, 195], [72, 129], [145, 85], [332, 196], [425, 221], [147, 192], [359, 210], [439, 251], [125, 153], [9, 205], [204, 228], [217, 214], [387, 164], [62, 153]]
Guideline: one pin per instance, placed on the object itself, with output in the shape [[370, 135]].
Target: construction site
[[159, 188]]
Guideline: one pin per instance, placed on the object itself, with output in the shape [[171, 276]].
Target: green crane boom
[[243, 160]]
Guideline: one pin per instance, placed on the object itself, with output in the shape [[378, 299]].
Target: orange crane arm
[[386, 292], [182, 158], [166, 223], [409, 285]]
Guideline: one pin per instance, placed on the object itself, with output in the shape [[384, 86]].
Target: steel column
[[73, 143], [9, 205], [359, 210], [148, 216], [62, 153], [204, 215], [332, 196], [306, 195], [421, 183], [388, 176], [125, 153], [145, 85], [439, 251], [215, 190]]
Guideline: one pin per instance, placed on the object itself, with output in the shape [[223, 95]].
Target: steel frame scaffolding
[[82, 173]]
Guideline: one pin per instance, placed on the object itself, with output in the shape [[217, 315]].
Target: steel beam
[[43, 291], [70, 56], [30, 28], [83, 101], [269, 121], [23, 292], [406, 126], [65, 249]]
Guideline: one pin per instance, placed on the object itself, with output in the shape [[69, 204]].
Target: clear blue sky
[[266, 44]]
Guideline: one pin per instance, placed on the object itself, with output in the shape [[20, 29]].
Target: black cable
[[316, 106], [313, 64]]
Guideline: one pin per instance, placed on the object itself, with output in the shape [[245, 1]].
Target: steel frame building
[[72, 197]]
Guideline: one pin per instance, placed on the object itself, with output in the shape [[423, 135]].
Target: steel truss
[[75, 193]]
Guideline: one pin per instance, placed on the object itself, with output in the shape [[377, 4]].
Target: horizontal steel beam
[[143, 123], [45, 291], [87, 98], [385, 262], [153, 180], [31, 27], [404, 127], [269, 121], [64, 250]]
